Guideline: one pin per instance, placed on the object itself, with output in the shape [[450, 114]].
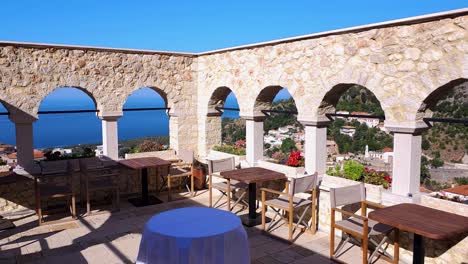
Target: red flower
[[295, 159]]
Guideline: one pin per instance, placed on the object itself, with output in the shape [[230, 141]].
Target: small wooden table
[[423, 222], [143, 164], [252, 176]]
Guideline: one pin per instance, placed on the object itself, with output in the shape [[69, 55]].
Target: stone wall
[[402, 65], [29, 74]]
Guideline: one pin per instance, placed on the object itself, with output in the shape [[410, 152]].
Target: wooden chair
[[99, 176], [288, 202], [181, 170], [54, 181], [359, 226], [226, 187]]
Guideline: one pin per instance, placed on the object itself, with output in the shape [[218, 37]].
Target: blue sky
[[194, 26]]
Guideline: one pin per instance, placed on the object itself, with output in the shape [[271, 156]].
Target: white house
[[342, 113], [63, 151], [348, 130], [370, 122], [99, 150]]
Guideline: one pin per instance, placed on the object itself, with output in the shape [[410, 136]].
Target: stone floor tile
[[269, 260], [287, 256], [316, 259], [115, 237]]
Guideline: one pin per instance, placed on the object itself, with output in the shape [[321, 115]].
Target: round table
[[194, 235]]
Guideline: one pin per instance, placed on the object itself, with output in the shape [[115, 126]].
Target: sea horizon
[[59, 130]]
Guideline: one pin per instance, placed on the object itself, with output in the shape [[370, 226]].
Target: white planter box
[[290, 172], [373, 192], [214, 154]]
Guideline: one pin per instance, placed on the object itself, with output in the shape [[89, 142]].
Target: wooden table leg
[[418, 249], [252, 218], [144, 186]]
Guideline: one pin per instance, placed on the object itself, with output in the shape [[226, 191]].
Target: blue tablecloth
[[194, 235]]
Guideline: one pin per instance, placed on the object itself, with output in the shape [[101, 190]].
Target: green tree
[[437, 163], [288, 145], [424, 170]]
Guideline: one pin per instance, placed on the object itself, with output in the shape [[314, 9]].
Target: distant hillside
[[233, 130], [359, 99], [275, 121], [449, 142]]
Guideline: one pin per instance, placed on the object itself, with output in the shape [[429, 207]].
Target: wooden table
[[143, 164], [423, 222], [252, 176]]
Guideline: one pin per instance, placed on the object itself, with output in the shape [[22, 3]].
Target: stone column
[[110, 139], [173, 131], [211, 132], [406, 159], [315, 146], [24, 138], [254, 138]]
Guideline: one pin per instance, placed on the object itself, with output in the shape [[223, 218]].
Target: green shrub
[[353, 170], [461, 181], [230, 149], [437, 163]]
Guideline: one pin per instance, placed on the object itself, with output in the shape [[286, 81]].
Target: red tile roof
[[360, 113], [387, 150], [461, 190]]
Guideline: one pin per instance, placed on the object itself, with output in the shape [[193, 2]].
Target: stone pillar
[[173, 131], [254, 138], [406, 159], [315, 146], [24, 138], [211, 133], [110, 138]]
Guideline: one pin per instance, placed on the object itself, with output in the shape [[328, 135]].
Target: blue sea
[[53, 130]]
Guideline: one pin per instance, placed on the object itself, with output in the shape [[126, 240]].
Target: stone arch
[[211, 121], [330, 100], [158, 90], [425, 109], [97, 104], [264, 99], [217, 99]]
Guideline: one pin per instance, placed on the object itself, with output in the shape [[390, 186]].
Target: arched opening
[[7, 139], [225, 131], [356, 137], [67, 134], [144, 126], [283, 134], [444, 163]]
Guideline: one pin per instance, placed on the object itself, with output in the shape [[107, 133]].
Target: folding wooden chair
[[181, 170], [97, 176], [55, 181], [214, 169], [288, 202], [359, 227]]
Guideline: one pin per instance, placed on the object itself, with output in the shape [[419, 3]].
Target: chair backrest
[[186, 155], [304, 184], [54, 167], [221, 165], [90, 163], [347, 195]]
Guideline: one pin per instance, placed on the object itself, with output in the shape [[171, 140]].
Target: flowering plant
[[295, 159], [240, 143], [377, 177]]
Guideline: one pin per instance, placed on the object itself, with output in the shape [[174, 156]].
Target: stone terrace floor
[[107, 237]]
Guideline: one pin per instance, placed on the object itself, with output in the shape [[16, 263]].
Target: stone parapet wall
[[401, 65]]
